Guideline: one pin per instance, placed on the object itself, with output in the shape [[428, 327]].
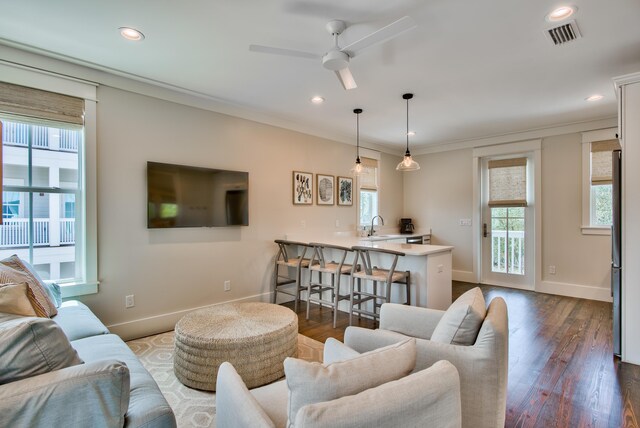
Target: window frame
[[371, 154], [87, 202], [588, 227]]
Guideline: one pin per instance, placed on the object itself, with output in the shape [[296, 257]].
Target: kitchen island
[[430, 267]]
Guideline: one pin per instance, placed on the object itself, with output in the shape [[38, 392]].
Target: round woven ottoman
[[254, 337]]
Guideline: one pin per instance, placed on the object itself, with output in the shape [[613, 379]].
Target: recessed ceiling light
[[317, 100], [411, 133], [596, 97], [560, 13], [131, 34]]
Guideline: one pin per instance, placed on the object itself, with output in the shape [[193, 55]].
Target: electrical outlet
[[440, 268], [337, 223], [129, 301], [552, 269], [303, 224], [465, 222], [227, 285]]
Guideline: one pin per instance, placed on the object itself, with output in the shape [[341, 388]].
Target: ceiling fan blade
[[285, 52], [382, 35], [346, 78]]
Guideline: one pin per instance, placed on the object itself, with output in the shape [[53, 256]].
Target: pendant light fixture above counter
[[407, 164], [357, 168]]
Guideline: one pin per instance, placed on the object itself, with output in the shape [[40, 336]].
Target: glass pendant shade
[[408, 164], [357, 167]]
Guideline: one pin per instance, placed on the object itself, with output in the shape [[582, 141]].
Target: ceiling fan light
[[346, 78]]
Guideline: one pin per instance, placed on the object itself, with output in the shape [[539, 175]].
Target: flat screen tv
[[188, 196]]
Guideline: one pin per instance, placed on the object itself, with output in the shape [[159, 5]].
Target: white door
[[507, 234]]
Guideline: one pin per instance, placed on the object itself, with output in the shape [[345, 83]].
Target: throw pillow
[[461, 323], [52, 289], [314, 382], [13, 270], [33, 346], [14, 299]]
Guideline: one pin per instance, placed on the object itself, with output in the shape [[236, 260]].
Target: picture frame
[[325, 185], [344, 191], [302, 189]]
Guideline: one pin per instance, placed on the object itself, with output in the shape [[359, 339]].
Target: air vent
[[564, 33]]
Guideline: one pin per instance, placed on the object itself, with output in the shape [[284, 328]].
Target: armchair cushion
[[313, 382], [335, 351], [33, 346], [427, 398], [461, 322]]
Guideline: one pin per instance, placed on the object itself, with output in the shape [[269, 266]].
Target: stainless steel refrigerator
[[616, 252]]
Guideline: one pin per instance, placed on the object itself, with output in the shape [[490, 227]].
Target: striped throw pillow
[[12, 270]]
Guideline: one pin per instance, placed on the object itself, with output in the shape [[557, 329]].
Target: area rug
[[193, 408]]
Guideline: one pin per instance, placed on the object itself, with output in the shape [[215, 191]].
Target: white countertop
[[346, 241]]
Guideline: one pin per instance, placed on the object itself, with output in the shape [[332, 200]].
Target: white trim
[[626, 79], [595, 230], [600, 135], [575, 290], [508, 149], [369, 153], [571, 128], [74, 289], [160, 323], [40, 79], [508, 285], [463, 276]]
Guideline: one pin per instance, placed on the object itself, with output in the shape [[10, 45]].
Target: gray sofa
[[111, 388]]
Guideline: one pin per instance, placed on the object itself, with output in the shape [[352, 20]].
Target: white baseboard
[[575, 290], [166, 322], [463, 276]]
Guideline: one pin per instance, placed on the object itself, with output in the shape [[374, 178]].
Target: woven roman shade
[[601, 161], [369, 174], [508, 182], [36, 103]]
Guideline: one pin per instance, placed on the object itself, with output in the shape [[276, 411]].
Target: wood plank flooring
[[562, 372]]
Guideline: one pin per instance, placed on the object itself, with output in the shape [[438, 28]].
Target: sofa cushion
[[461, 322], [314, 382], [335, 351], [13, 270], [16, 299], [273, 399], [147, 405], [428, 398], [32, 346], [77, 321]]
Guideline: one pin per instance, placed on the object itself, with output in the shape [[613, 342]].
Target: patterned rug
[[193, 408]]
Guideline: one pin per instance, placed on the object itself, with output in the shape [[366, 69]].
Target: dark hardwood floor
[[562, 372]]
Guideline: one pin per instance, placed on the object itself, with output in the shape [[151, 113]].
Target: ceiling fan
[[337, 58]]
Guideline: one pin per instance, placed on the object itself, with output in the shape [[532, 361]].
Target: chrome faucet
[[371, 231]]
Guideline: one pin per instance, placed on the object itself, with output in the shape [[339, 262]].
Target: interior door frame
[[534, 148]]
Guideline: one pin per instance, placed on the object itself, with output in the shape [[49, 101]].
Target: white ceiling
[[477, 68]]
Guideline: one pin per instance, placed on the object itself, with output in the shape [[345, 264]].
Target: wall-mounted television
[[188, 196]]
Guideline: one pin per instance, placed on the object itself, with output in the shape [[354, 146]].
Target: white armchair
[[430, 397], [482, 366]]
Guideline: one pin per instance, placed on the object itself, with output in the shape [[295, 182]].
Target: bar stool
[[282, 282], [320, 265], [386, 278]]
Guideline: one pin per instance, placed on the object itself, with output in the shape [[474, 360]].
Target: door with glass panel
[[507, 223]]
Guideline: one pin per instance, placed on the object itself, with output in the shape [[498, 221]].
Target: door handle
[[484, 230]]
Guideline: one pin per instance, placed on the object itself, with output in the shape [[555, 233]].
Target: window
[[597, 181], [368, 191], [48, 176]]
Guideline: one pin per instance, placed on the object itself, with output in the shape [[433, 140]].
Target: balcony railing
[[507, 251], [42, 137], [14, 232]]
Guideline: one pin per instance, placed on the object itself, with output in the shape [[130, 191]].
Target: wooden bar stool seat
[[317, 290], [288, 257], [383, 280]]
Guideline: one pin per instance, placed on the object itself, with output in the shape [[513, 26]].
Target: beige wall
[[179, 269], [441, 194]]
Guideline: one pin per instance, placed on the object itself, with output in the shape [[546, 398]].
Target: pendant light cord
[[407, 125]]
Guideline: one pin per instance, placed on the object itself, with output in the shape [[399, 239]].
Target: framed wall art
[[302, 188], [325, 185], [344, 191]]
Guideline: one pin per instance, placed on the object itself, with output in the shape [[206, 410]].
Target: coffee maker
[[406, 226]]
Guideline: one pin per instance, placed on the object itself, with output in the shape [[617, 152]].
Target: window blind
[[508, 182], [369, 174], [36, 103], [601, 161]]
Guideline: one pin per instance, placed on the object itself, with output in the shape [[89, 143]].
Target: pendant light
[[357, 168], [408, 164]]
